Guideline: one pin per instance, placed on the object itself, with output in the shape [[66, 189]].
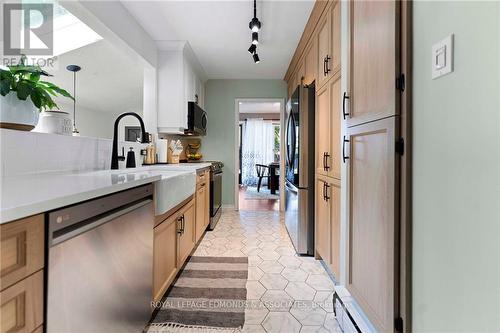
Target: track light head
[[256, 58], [254, 24], [252, 48], [255, 38]]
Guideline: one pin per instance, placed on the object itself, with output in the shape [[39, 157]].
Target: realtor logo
[[28, 29]]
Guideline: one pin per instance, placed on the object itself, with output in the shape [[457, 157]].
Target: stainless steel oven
[[215, 193]]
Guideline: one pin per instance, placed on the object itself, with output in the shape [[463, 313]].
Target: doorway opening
[[259, 156]]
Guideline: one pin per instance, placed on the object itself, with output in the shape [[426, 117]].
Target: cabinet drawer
[[202, 177], [22, 246], [22, 305], [164, 256]]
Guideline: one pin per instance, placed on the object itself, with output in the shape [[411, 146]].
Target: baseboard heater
[[344, 318]]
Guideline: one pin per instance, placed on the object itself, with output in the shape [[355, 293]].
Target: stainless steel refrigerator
[[299, 185]]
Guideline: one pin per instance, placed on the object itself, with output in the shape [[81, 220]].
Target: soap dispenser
[[131, 158]]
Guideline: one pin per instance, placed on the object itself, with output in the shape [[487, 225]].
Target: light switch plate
[[442, 57]]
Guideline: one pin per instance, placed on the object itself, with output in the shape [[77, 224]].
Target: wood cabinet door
[[201, 210], [22, 305], [322, 220], [323, 132], [207, 202], [335, 127], [334, 195], [335, 62], [185, 239], [374, 60], [22, 249], [299, 77], [373, 223], [164, 256], [324, 49], [310, 62]]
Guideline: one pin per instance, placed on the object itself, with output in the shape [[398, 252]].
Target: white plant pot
[[17, 114], [55, 122]]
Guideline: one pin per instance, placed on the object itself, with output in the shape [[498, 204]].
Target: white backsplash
[[30, 152]]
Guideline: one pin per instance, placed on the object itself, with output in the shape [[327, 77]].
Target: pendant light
[[74, 69], [252, 48], [256, 58], [254, 24], [255, 38]]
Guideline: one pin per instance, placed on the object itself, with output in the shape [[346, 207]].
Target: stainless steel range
[[215, 191]]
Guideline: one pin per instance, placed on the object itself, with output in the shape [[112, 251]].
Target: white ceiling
[[108, 81], [219, 35], [259, 107]]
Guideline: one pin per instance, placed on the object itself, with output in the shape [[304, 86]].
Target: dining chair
[[262, 171]]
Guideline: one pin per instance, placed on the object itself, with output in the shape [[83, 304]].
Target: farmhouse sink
[[173, 188]]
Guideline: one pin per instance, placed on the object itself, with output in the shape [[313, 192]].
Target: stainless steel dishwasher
[[100, 268]]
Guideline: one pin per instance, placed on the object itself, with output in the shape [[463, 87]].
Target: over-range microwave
[[197, 120]]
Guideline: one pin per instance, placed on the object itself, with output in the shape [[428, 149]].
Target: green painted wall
[[456, 185], [219, 142]]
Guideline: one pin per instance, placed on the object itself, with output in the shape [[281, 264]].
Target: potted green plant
[[24, 95]]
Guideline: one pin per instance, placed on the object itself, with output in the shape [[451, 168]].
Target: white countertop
[[30, 194]]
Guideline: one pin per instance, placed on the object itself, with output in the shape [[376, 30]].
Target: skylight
[[69, 32]]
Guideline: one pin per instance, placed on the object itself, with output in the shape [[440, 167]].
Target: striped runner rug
[[208, 296]]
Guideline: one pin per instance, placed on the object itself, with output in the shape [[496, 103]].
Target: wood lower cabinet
[[201, 210], [322, 220], [21, 275], [328, 129], [164, 256], [22, 305], [22, 249], [174, 240], [327, 219], [334, 194], [372, 219], [323, 132], [202, 201], [186, 232]]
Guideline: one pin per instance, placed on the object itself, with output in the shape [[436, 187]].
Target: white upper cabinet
[[180, 80]]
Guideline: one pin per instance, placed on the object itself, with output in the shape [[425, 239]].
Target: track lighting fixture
[[252, 48], [254, 24], [256, 58], [255, 38]]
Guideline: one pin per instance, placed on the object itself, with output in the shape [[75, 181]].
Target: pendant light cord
[[74, 100], [254, 8]]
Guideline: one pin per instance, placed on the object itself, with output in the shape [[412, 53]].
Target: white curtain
[[257, 148]]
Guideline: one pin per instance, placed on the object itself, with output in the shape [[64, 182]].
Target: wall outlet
[[442, 57]]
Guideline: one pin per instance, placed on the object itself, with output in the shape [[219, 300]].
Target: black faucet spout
[[144, 137]]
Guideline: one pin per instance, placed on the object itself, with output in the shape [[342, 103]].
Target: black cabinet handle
[[327, 61], [326, 167], [345, 114], [344, 158], [179, 220], [326, 192], [324, 66], [183, 223]]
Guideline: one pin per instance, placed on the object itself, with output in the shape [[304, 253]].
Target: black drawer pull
[[345, 114], [327, 61], [344, 158], [326, 191]]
